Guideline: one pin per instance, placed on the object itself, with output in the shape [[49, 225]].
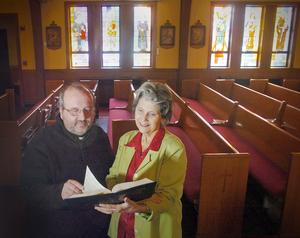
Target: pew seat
[[200, 108], [191, 186], [119, 106], [115, 103]]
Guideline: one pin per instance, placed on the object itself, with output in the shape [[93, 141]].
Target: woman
[[151, 152]]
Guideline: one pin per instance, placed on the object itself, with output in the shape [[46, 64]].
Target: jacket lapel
[[151, 157], [128, 155]]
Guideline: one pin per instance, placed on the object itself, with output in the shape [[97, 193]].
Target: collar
[[155, 143], [70, 135]]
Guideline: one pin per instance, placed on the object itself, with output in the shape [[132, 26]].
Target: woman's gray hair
[[158, 93], [76, 85]]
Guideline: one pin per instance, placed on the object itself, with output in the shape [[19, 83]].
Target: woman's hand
[[128, 206]]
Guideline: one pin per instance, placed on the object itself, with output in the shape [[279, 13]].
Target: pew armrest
[[119, 108], [219, 122], [285, 125]]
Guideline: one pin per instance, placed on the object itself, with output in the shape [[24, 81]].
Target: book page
[[126, 185], [91, 185]]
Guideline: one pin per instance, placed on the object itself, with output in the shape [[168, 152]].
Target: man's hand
[[71, 187]]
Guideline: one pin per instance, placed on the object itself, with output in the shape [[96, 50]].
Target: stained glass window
[[79, 37], [252, 36], [221, 36], [281, 38], [98, 39], [142, 37], [110, 36]]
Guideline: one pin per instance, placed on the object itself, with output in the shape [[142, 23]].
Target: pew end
[[224, 86], [293, 84], [119, 128], [189, 88], [223, 178], [259, 85], [291, 210]]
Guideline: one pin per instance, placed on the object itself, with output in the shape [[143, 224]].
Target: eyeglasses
[[75, 112]]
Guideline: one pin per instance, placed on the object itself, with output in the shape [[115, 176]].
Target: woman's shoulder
[[128, 135], [173, 139]]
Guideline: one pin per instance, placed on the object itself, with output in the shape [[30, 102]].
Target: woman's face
[[147, 116]]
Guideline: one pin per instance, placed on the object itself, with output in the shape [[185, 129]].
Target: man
[[54, 166]]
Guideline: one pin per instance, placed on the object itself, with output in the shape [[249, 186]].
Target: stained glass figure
[[142, 36], [251, 36], [111, 36], [110, 28], [142, 28], [281, 38], [79, 26], [79, 37], [220, 36]]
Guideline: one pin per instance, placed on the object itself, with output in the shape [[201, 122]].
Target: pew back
[[266, 137], [281, 93], [257, 102], [215, 102], [293, 84]]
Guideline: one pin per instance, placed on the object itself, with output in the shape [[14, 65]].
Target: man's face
[[77, 112]]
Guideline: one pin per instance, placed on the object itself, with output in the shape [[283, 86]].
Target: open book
[[95, 193]]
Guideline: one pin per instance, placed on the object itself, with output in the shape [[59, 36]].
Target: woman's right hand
[[128, 206]]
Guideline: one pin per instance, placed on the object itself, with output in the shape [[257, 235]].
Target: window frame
[[94, 10], [267, 33]]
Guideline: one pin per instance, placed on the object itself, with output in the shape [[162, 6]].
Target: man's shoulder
[[43, 134]]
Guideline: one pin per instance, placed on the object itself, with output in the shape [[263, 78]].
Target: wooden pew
[[273, 153], [265, 106], [211, 105], [218, 188], [276, 111], [16, 134], [120, 106], [283, 150], [293, 84], [281, 93], [7, 105]]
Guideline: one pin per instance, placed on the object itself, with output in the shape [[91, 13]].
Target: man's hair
[[157, 93], [78, 86]]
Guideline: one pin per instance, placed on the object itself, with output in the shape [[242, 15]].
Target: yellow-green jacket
[[167, 167]]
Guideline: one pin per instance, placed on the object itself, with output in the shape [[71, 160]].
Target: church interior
[[232, 67]]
